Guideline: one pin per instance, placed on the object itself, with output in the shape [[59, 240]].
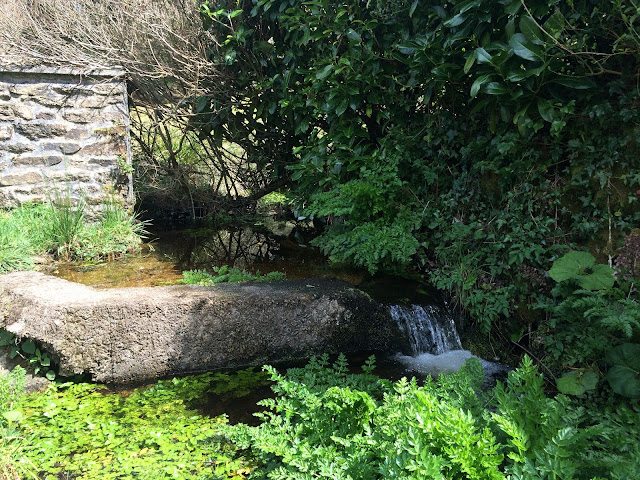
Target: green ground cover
[[324, 423], [63, 231]]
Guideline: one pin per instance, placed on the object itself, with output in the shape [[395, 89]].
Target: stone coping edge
[[112, 72]]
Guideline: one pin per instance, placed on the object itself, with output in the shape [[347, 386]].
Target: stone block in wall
[[10, 113], [79, 116], [6, 114], [67, 175], [23, 111], [12, 147], [35, 131], [38, 160], [66, 148], [78, 134], [110, 146], [101, 161], [26, 178], [6, 132], [29, 89], [45, 116], [98, 102]]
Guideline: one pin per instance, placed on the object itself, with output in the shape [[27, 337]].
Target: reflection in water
[[163, 260]]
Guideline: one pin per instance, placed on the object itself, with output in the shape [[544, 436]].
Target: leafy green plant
[[468, 140], [12, 391], [114, 233], [594, 316], [225, 274], [15, 249], [13, 464], [329, 423], [38, 360], [624, 374], [239, 383], [81, 430]]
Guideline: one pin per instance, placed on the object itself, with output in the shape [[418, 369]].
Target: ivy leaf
[[577, 382], [624, 376], [570, 265]]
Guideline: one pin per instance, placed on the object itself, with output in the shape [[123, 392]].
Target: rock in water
[[129, 335]]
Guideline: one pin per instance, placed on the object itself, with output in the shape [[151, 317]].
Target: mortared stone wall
[[64, 132]]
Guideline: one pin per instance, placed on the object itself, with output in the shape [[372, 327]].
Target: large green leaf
[[28, 347], [481, 80], [545, 107], [531, 31], [13, 415], [324, 73], [495, 88], [577, 382], [524, 49], [577, 83], [570, 265], [554, 24], [600, 278], [482, 55], [624, 375]]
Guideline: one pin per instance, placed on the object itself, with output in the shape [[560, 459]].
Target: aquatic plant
[[226, 274], [82, 431]]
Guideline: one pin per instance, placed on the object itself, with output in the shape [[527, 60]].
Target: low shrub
[[328, 423]]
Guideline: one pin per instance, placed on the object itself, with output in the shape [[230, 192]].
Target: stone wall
[[64, 132]]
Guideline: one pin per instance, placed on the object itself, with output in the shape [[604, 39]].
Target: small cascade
[[434, 340], [429, 328]]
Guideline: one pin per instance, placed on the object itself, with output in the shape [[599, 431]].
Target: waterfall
[[429, 328]]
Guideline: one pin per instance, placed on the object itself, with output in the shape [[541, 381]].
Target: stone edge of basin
[[138, 334]]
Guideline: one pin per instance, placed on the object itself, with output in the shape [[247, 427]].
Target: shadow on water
[[168, 253]]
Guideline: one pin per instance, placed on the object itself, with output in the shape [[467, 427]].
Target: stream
[[424, 317]]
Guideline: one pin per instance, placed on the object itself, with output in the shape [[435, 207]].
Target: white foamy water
[[434, 341], [451, 361]]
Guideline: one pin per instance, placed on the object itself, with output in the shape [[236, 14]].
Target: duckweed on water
[[80, 431]]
